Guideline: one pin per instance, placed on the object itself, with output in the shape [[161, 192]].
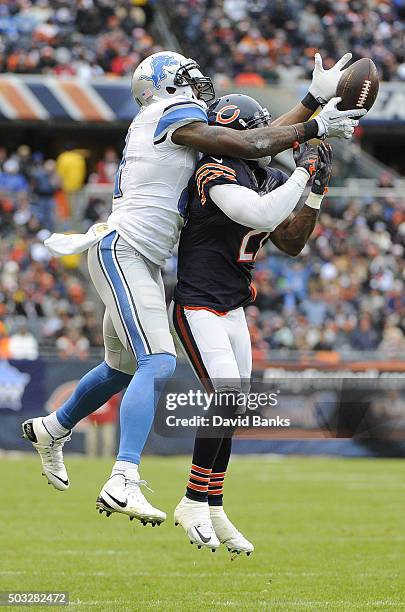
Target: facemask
[[262, 162]]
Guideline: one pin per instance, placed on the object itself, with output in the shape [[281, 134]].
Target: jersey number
[[117, 183], [244, 254]]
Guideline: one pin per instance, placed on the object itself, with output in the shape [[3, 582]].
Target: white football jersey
[[151, 182]]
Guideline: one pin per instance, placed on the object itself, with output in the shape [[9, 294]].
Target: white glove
[[324, 82], [333, 122]]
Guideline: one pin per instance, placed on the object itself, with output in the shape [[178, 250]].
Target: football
[[358, 85]]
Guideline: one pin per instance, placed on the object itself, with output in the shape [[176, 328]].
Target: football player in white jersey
[[125, 255]]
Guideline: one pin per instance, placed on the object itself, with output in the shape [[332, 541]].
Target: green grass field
[[329, 535]]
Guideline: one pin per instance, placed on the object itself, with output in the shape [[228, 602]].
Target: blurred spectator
[[45, 183], [4, 342], [106, 168], [73, 345], [23, 345], [11, 178], [364, 337], [393, 342], [101, 432], [71, 167]]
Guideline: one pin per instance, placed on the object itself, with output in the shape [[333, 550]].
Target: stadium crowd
[[252, 40], [345, 291], [257, 40], [86, 38], [41, 297]]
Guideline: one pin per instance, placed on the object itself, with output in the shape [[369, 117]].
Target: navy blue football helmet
[[239, 112]]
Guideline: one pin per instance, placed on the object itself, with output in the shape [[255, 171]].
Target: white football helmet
[[167, 74]]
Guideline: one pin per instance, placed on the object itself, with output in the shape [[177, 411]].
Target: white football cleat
[[227, 533], [122, 494], [194, 517], [50, 451]]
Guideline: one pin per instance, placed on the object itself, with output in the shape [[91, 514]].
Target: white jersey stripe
[[123, 299], [130, 300], [102, 266]]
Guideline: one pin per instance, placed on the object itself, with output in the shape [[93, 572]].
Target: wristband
[[310, 129], [314, 200], [310, 102]]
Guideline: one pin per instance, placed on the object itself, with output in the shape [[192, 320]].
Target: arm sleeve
[[265, 212], [176, 115]]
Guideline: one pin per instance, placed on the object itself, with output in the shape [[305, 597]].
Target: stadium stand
[[45, 295], [85, 38], [346, 291], [256, 41], [252, 40]]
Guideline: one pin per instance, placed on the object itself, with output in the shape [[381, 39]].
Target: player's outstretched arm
[[266, 212], [250, 144], [245, 206], [292, 235], [260, 142], [322, 89]]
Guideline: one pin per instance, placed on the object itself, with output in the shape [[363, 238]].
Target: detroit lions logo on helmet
[[158, 64]]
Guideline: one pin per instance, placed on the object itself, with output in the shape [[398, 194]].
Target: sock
[[123, 467], [93, 390], [197, 486], [216, 484], [139, 402], [53, 426], [206, 450]]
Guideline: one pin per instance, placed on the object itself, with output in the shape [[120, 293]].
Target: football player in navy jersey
[[234, 207]]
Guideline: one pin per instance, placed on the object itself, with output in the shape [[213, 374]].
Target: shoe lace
[[52, 453], [133, 484]]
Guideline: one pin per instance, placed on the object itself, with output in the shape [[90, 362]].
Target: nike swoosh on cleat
[[65, 482], [117, 501], [203, 538]]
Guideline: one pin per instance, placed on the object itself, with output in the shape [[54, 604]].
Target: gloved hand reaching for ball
[[306, 156], [324, 169], [317, 161]]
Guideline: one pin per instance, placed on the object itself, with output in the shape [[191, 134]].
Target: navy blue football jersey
[[217, 255]]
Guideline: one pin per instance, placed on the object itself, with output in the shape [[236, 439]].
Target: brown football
[[358, 85]]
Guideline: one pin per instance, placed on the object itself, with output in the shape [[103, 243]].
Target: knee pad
[[117, 357], [161, 365]]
